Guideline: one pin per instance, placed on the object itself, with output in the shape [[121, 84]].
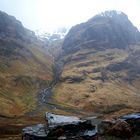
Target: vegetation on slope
[[102, 82], [101, 71], [25, 67]]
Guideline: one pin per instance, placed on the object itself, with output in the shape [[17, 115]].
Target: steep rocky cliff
[[102, 66], [108, 29]]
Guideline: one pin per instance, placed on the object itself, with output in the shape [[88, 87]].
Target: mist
[[51, 14]]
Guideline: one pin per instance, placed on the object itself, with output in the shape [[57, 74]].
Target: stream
[[45, 98]]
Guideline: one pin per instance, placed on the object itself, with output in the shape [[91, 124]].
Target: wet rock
[[73, 131], [120, 129], [104, 126], [124, 127], [82, 130], [54, 119], [61, 127], [34, 132], [134, 121], [73, 128], [131, 116]]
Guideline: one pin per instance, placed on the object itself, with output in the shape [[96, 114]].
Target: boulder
[[104, 126], [134, 121], [83, 130], [124, 127], [62, 128], [54, 119], [120, 129]]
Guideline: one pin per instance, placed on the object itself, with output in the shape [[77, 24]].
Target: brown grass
[[100, 91], [22, 76]]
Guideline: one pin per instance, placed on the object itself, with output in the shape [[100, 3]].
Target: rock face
[[108, 29]]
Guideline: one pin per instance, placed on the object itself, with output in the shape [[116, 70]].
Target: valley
[[25, 67], [94, 70]]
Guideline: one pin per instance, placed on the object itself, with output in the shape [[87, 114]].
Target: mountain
[[101, 71], [110, 28], [25, 67]]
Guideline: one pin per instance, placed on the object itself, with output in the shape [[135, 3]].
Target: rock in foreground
[[60, 119], [73, 128], [61, 127], [123, 127]]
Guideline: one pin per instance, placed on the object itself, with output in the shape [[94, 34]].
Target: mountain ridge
[[99, 74], [25, 67], [101, 28], [101, 65]]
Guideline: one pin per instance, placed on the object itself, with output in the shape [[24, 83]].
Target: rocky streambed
[[59, 127]]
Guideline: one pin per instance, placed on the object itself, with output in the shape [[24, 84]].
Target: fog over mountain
[[83, 77], [52, 14]]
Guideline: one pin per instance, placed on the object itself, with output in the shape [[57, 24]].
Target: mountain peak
[[107, 29], [112, 13]]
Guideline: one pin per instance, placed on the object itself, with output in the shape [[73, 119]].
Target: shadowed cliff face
[[25, 67], [101, 71], [108, 29]]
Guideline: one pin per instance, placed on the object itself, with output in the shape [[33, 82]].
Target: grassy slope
[[21, 77], [91, 81]]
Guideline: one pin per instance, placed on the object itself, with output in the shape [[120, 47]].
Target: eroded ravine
[[46, 100]]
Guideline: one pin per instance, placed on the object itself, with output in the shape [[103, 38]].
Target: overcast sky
[[44, 14]]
